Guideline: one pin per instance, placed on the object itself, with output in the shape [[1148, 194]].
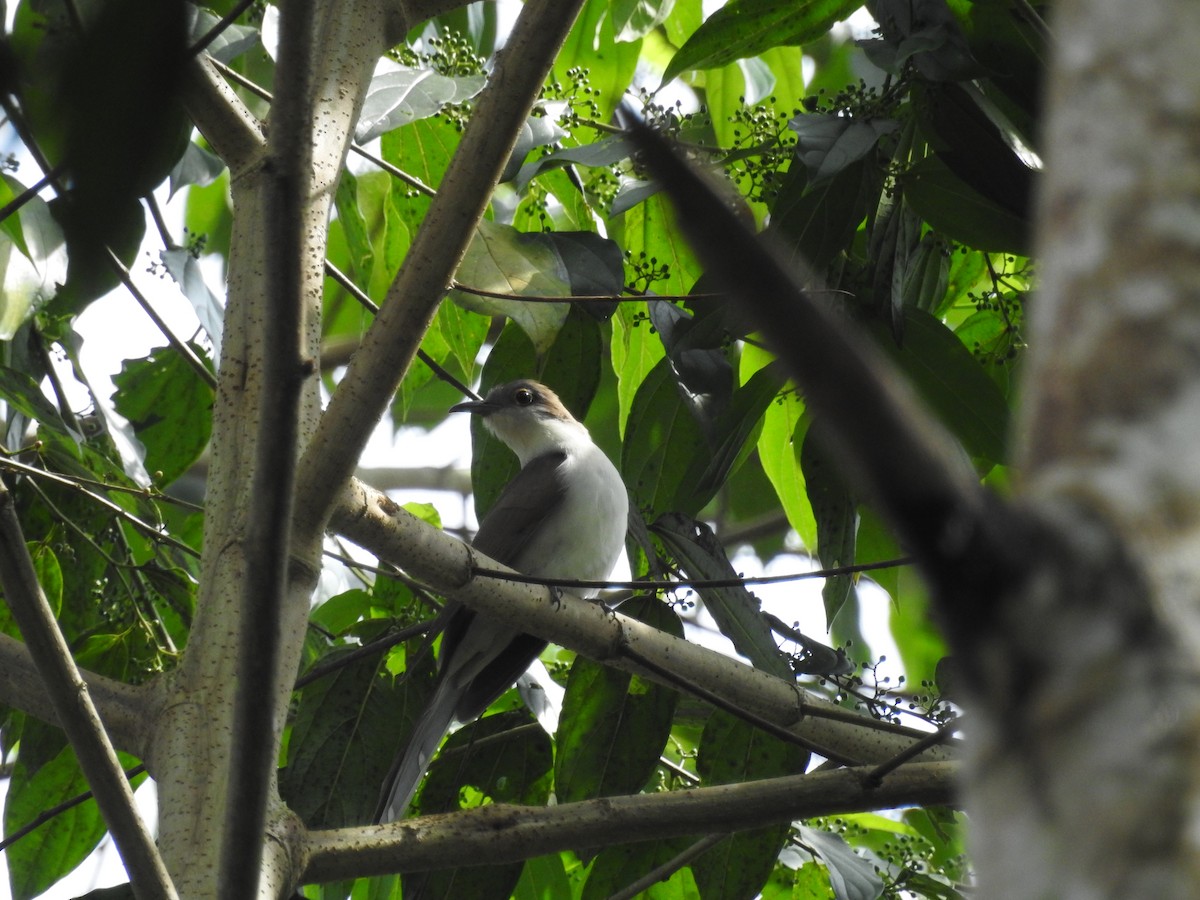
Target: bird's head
[[528, 417]]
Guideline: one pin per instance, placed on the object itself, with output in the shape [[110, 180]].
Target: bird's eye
[[523, 396]]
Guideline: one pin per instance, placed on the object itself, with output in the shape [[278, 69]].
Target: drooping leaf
[[736, 611], [184, 268], [197, 166], [950, 379], [502, 260], [613, 725], [837, 519], [731, 751], [348, 726], [634, 19], [960, 212]]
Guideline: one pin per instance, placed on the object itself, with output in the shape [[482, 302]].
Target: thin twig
[[54, 811], [578, 583], [669, 868], [180, 347], [368, 304], [75, 710]]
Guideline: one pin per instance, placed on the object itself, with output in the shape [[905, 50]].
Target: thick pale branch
[[391, 343], [269, 517], [502, 833], [68, 694], [222, 118], [124, 708], [447, 565]]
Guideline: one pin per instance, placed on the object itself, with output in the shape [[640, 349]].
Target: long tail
[[412, 760]]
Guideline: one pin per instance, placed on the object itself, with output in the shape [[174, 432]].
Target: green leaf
[[403, 95], [354, 228], [661, 437], [837, 519], [23, 395], [49, 574], [341, 611], [613, 725], [47, 854], [951, 381], [636, 350], [592, 45], [347, 728], [615, 868], [169, 407], [737, 612], [957, 210], [648, 233], [503, 757], [633, 19], [744, 28], [731, 752], [33, 259], [503, 260]]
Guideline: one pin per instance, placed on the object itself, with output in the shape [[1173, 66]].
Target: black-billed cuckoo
[[563, 516]]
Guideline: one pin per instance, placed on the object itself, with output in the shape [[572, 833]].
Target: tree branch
[[390, 344], [503, 833], [269, 517], [68, 694], [124, 708], [375, 522]]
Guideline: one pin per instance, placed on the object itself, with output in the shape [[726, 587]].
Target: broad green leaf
[[49, 574], [960, 212], [544, 878], [837, 519], [402, 95], [661, 439], [499, 757], [232, 41], [354, 228], [169, 407], [827, 144], [502, 260], [613, 725], [731, 751], [784, 426], [737, 612], [615, 868], [636, 349], [592, 45], [732, 438], [33, 260], [816, 225], [951, 381], [348, 726], [337, 614], [744, 28], [47, 854], [649, 235], [20, 392], [196, 167]]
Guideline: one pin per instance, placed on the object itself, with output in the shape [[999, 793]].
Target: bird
[[563, 516]]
